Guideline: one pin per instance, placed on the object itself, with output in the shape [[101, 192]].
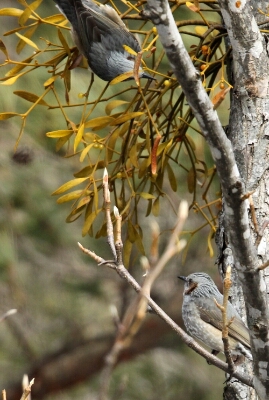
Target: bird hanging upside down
[[100, 36]]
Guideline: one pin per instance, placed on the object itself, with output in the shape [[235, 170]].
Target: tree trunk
[[248, 131]]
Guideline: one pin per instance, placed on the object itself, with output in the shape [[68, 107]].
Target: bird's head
[[198, 283]]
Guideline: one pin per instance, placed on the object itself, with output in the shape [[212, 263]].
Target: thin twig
[[27, 390], [225, 324], [7, 314], [110, 237], [263, 266]]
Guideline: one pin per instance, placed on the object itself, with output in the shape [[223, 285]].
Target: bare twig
[[225, 324], [253, 215], [110, 237], [174, 246], [7, 314], [27, 390], [263, 266]]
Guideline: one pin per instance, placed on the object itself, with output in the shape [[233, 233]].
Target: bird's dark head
[[198, 283]]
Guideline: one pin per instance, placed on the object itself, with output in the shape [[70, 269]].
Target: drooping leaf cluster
[[144, 134]]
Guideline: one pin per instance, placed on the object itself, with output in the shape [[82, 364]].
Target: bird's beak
[[147, 76], [183, 278]]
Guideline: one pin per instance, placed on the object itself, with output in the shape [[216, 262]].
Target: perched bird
[[203, 319], [100, 35]]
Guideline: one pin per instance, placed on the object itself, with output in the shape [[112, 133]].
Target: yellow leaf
[[3, 48], [61, 141], [191, 6], [127, 117], [200, 30], [209, 244], [133, 156], [191, 180], [131, 232], [50, 80], [143, 166], [89, 221], [171, 177], [139, 243], [69, 185], [99, 122], [12, 80], [191, 142], [156, 207], [127, 249], [114, 104], [11, 12], [75, 214], [63, 41], [122, 77], [54, 18], [161, 147], [165, 151], [86, 171], [28, 41], [85, 200], [27, 34], [59, 134], [13, 71], [28, 11], [8, 115], [147, 196], [70, 196], [25, 16], [56, 59], [33, 98], [129, 50], [111, 144], [149, 208], [78, 137], [85, 152]]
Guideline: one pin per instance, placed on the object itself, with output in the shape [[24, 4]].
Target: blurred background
[[64, 326]]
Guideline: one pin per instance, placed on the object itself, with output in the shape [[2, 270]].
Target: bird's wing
[[97, 27], [211, 314]]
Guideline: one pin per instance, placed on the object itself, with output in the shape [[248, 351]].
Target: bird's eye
[[190, 281]]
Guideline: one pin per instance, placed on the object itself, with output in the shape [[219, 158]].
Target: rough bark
[[248, 131], [250, 54]]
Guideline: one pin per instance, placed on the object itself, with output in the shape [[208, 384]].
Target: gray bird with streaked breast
[[203, 319], [100, 35]]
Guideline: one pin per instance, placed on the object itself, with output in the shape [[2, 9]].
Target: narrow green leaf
[[146, 196], [8, 115], [171, 177], [78, 137], [89, 221], [68, 185], [59, 134], [33, 98], [70, 196]]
